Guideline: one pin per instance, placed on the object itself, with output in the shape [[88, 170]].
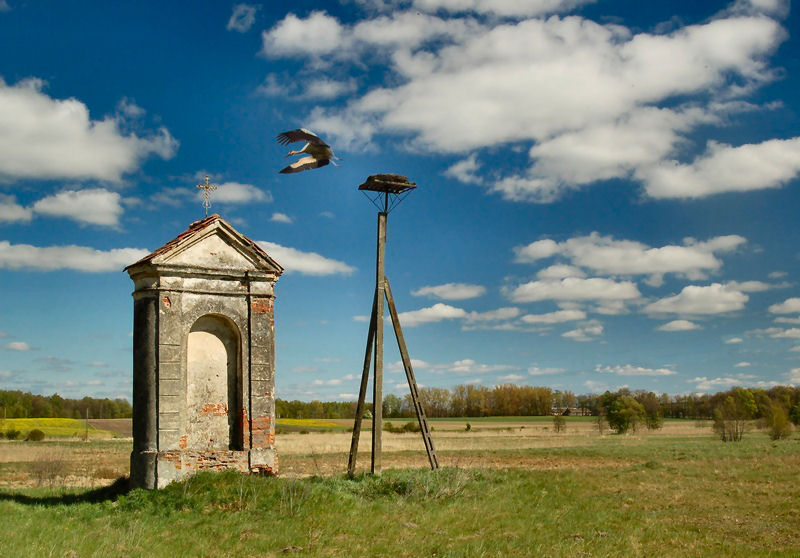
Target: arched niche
[[213, 385]]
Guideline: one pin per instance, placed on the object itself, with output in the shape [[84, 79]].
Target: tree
[[652, 409], [391, 405], [622, 411], [732, 413], [777, 422]]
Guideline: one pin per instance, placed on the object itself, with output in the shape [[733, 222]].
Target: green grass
[[54, 427], [617, 496]]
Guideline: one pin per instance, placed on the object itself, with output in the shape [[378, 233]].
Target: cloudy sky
[[608, 191]]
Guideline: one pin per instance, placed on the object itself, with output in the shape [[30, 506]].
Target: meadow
[[508, 487]]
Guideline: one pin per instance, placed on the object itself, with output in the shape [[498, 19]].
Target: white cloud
[[19, 346], [500, 314], [306, 263], [47, 138], [556, 317], [788, 306], [465, 170], [94, 206], [436, 313], [782, 320], [12, 212], [281, 218], [78, 258], [679, 325], [630, 370], [318, 34], [237, 193], [700, 300], [574, 289], [242, 18], [605, 255], [742, 364], [724, 168], [451, 291], [583, 334], [511, 378], [587, 100], [704, 383], [559, 271], [536, 371], [733, 340]]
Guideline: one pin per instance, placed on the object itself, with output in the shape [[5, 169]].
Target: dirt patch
[[121, 427]]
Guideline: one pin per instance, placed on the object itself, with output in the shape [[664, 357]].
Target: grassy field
[[511, 488], [54, 427]]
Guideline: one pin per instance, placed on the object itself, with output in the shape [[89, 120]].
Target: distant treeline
[[18, 404], [514, 400]]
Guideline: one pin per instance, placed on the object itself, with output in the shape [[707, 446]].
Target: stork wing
[[306, 163], [299, 135]]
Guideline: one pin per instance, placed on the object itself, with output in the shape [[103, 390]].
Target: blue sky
[[607, 191]]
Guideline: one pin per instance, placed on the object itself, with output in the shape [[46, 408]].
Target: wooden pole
[[362, 392], [377, 385], [412, 381]]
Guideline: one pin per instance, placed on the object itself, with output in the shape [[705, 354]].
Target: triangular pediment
[[212, 244]]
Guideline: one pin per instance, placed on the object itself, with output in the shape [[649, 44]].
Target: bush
[[410, 426], [559, 423], [732, 414], [12, 434], [35, 435], [777, 422]]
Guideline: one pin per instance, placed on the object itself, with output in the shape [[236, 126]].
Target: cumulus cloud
[[436, 313], [733, 340], [788, 306], [630, 370], [305, 263], [605, 255], [242, 18], [500, 314], [12, 212], [19, 346], [703, 383], [679, 325], [574, 289], [724, 168], [237, 193], [93, 206], [700, 300], [589, 332], [588, 101], [278, 217], [46, 138], [451, 291], [77, 258]]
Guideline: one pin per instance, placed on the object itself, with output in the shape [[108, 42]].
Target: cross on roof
[[206, 187]]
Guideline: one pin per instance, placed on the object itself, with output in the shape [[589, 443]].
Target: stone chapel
[[203, 356]]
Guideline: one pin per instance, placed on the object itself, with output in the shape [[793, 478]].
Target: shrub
[[12, 434], [777, 422], [559, 423], [468, 427], [410, 426], [35, 435], [732, 414]]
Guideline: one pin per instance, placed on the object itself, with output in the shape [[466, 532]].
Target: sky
[[607, 191]]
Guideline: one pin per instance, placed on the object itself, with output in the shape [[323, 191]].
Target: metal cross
[[206, 187]]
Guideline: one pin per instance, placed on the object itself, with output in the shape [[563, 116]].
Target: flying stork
[[319, 153]]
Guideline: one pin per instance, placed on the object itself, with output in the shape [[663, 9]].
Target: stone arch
[[213, 384]]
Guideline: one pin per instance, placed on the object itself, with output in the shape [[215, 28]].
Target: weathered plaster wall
[[204, 362]]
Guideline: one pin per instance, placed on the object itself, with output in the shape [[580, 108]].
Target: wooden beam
[[362, 392]]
